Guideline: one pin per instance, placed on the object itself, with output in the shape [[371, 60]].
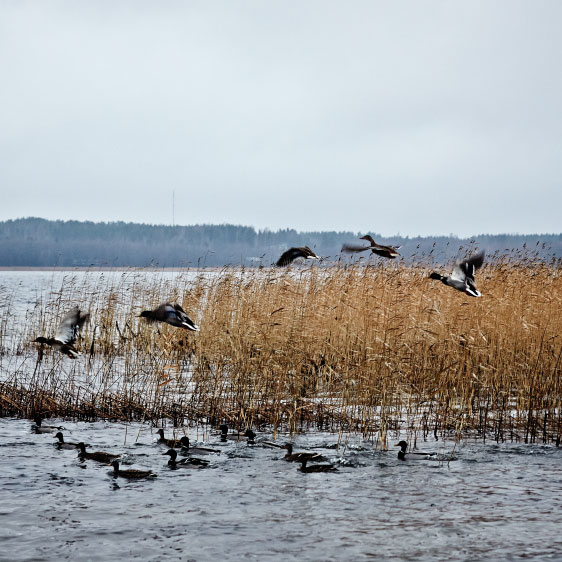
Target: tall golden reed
[[370, 349]]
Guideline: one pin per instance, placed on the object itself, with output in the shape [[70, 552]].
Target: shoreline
[[103, 268]]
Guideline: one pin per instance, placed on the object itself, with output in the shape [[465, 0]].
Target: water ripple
[[499, 502]]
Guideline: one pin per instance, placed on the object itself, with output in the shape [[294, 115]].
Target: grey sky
[[394, 117]]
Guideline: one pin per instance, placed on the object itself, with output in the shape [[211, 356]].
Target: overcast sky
[[407, 117]]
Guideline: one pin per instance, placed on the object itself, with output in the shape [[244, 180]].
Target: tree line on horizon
[[36, 242]]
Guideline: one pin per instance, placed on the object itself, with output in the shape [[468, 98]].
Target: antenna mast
[[173, 207]]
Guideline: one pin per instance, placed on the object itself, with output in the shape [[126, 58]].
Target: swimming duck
[[189, 462], [131, 474], [293, 253], [40, 428], [251, 435], [66, 333], [62, 444], [389, 252], [173, 443], [196, 450], [299, 457], [225, 436], [411, 456], [172, 314], [462, 277], [99, 456], [316, 467]]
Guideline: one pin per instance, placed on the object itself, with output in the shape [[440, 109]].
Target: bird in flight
[[389, 252], [172, 314], [294, 253], [462, 277], [66, 333]]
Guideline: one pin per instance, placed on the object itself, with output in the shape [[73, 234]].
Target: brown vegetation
[[368, 349]]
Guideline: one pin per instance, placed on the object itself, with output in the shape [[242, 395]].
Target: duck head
[[369, 238], [172, 454]]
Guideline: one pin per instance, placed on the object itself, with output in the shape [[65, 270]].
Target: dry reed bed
[[374, 349]]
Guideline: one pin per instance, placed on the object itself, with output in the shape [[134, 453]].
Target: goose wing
[[470, 265], [185, 320], [467, 268], [389, 251], [293, 253], [167, 310], [70, 325], [352, 248]]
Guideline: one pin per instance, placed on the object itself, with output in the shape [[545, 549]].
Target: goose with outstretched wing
[[294, 253], [462, 277], [389, 252], [66, 333], [172, 314]]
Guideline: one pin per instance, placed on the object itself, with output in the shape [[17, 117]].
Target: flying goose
[[172, 314], [462, 277], [131, 474], [66, 333], [293, 253], [390, 252]]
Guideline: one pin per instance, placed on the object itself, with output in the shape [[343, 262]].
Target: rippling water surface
[[492, 502]]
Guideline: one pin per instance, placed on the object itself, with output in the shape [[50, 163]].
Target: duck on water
[[412, 456], [186, 447], [189, 462], [316, 467], [62, 444], [40, 428], [172, 443], [99, 456], [300, 456], [131, 474]]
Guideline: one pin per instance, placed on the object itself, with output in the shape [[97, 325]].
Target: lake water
[[493, 502], [490, 502]]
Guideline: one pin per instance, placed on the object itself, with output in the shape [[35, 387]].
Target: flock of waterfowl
[[461, 279], [188, 452]]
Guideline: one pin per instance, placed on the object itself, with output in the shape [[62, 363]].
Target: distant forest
[[43, 243]]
